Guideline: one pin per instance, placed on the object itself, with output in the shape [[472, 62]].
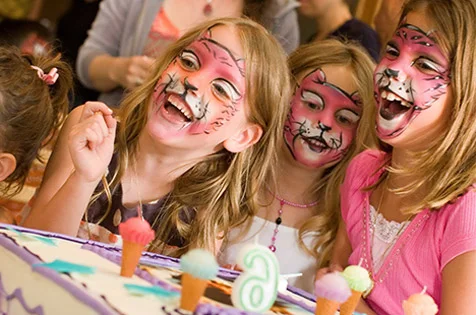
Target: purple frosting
[[17, 295], [334, 287], [113, 253], [80, 293]]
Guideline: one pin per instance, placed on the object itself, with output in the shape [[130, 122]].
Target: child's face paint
[[323, 119], [202, 91], [412, 77]]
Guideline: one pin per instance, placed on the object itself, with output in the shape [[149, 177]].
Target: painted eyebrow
[[236, 61], [341, 91]]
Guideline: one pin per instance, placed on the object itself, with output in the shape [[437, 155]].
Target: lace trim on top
[[386, 235], [385, 230]]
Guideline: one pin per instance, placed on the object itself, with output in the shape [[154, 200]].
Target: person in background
[[127, 35], [21, 9], [30, 37], [386, 19], [334, 19], [72, 31]]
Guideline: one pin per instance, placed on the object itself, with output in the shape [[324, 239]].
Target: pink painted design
[[322, 122], [411, 77], [200, 91]]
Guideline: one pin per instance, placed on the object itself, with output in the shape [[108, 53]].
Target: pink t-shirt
[[431, 240]]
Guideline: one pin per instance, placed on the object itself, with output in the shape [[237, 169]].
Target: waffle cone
[[192, 290], [326, 307], [131, 253], [348, 307]]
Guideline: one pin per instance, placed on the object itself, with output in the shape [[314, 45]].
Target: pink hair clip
[[49, 78]]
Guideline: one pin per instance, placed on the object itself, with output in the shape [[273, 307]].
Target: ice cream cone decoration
[[331, 290], [136, 234], [420, 304], [359, 281], [198, 266]]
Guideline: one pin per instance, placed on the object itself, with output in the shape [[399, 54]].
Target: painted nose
[[396, 74], [189, 87], [324, 127]]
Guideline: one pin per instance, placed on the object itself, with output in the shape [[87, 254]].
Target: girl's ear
[[8, 163], [244, 139]]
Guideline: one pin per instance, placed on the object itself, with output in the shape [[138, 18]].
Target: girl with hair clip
[[33, 103], [329, 122], [192, 146], [409, 208]]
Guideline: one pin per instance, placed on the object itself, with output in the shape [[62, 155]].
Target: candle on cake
[[331, 290], [420, 304], [136, 234], [256, 289], [359, 281], [198, 266]]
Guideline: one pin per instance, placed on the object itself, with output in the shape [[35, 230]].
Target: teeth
[[180, 107], [315, 142], [394, 97]]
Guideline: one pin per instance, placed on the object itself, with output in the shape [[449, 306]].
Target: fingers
[[90, 108], [322, 272], [94, 130], [111, 124], [138, 70], [335, 268]]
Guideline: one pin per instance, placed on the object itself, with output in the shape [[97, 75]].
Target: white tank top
[[292, 259]]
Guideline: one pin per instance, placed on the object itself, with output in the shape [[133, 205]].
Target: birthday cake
[[45, 273]]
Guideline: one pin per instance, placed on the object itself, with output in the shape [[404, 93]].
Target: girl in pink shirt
[[409, 210]]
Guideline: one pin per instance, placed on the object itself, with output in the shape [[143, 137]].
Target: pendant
[[208, 9]]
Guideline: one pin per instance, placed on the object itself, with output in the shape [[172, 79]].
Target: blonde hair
[[304, 60], [30, 110], [221, 189], [448, 167]]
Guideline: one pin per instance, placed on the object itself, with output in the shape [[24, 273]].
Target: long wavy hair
[[447, 168], [331, 52], [219, 192]]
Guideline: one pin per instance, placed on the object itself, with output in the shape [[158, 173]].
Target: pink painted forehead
[[424, 42], [221, 53], [319, 77]]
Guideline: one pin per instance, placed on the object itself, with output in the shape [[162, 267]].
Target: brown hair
[[30, 110], [256, 10], [448, 167], [305, 59], [220, 189]]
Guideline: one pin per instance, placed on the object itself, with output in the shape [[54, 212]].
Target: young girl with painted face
[[409, 209], [187, 153], [33, 104], [329, 121]]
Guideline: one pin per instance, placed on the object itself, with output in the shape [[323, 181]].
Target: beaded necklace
[[279, 220], [208, 9]]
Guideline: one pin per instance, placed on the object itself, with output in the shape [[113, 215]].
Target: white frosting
[[39, 290]]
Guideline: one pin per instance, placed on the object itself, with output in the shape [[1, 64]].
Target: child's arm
[[459, 285], [80, 158]]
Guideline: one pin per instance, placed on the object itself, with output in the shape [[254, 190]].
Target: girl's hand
[[91, 141], [130, 72]]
